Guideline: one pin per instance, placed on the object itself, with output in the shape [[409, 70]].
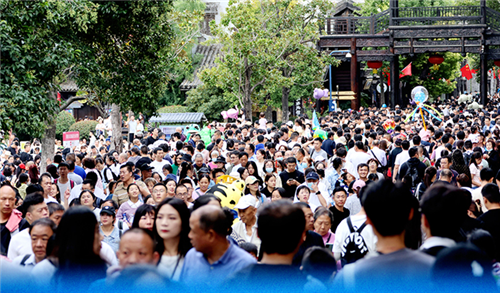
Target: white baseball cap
[[245, 202]]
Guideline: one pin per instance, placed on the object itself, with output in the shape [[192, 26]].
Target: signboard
[[71, 139], [379, 88], [168, 130]]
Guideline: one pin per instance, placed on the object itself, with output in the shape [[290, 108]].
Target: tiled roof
[[343, 6], [171, 118], [69, 86], [210, 53]]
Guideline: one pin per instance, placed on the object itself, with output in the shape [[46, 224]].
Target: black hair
[[486, 174], [143, 210], [91, 193], [203, 200], [54, 207], [319, 263], [43, 222], [184, 242], [31, 200], [280, 227], [220, 221], [491, 193]]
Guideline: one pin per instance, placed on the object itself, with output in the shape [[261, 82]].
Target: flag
[[59, 96], [388, 75], [315, 121], [474, 71], [406, 71], [466, 72]]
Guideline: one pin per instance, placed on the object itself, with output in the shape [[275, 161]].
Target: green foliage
[[208, 100], [84, 127], [173, 109], [437, 82], [38, 43], [64, 121]]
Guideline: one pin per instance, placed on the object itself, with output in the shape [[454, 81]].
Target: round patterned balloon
[[419, 94]]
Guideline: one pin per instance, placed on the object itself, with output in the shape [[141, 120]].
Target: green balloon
[[206, 135], [320, 133]]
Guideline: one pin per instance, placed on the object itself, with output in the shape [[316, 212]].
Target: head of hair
[[388, 206], [44, 222], [319, 263], [30, 201], [143, 210], [281, 226], [54, 207], [491, 193], [220, 221], [486, 174]]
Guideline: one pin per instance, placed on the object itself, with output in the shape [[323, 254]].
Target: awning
[[184, 118]]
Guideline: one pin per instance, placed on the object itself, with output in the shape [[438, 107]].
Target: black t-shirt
[[150, 140], [290, 189], [312, 239], [490, 222], [5, 238], [338, 216]]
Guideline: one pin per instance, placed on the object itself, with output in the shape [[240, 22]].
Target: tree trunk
[[269, 110], [285, 92], [48, 143], [116, 124]]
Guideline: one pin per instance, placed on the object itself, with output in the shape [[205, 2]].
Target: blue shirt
[[113, 239], [80, 171], [197, 271]]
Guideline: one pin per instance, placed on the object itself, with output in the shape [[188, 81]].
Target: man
[[127, 177], [443, 208], [153, 137], [393, 154], [25, 156], [281, 227], [246, 228], [400, 159], [39, 233], [338, 210], [78, 170], [413, 169], [488, 125], [363, 172], [159, 193], [378, 154], [45, 181], [243, 156], [311, 238], [137, 246], [198, 163], [316, 150], [11, 220], [291, 178], [250, 150], [234, 163], [132, 127], [35, 208], [446, 163], [491, 218], [359, 156], [395, 267], [63, 182], [181, 192], [213, 257], [487, 176], [329, 144], [55, 212], [71, 173], [146, 171]]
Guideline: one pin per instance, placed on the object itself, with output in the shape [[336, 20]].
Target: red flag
[[474, 71], [59, 96], [388, 76], [466, 72], [406, 71]]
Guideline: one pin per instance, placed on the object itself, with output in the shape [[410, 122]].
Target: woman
[[144, 217], [254, 171], [463, 182], [157, 177], [278, 193], [171, 185], [333, 174], [213, 157], [203, 183], [171, 229], [33, 174], [177, 162], [270, 168], [270, 181], [261, 158], [372, 168], [186, 171], [323, 219], [150, 182], [303, 195], [207, 199], [110, 233], [252, 188], [22, 184], [475, 168], [243, 172], [429, 178], [491, 155], [127, 210], [76, 251], [55, 192], [459, 164], [88, 199]]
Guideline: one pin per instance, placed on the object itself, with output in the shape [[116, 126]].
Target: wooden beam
[[354, 75]]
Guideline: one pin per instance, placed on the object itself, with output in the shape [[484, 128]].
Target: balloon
[[320, 133], [231, 113], [318, 94], [419, 94]]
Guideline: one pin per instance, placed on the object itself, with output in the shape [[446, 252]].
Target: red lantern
[[497, 63], [436, 60], [374, 65]]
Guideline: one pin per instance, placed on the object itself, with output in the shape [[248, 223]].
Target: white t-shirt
[[63, 187], [171, 265], [20, 244], [401, 158], [158, 167], [356, 159], [343, 231]]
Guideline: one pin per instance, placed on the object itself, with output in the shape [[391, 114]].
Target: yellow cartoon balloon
[[228, 193]]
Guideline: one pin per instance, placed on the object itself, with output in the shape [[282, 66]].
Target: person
[[120, 195], [388, 210], [127, 210], [446, 163], [159, 192], [137, 246], [144, 217], [316, 150], [252, 188], [412, 171], [400, 159], [246, 228], [171, 229], [311, 238], [88, 199], [475, 168], [270, 185], [34, 208], [159, 162], [77, 247], [111, 234], [45, 181], [372, 168], [203, 183], [11, 219], [323, 219], [444, 208], [40, 233], [281, 226], [55, 212], [487, 176], [490, 219], [291, 178], [430, 176], [338, 210], [63, 182], [213, 257]]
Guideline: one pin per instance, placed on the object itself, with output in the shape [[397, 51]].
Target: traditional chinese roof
[[210, 53]]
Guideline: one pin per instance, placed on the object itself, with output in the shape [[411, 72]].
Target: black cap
[[108, 210], [145, 167], [220, 159], [187, 157]]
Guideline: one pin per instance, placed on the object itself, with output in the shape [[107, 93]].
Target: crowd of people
[[365, 208]]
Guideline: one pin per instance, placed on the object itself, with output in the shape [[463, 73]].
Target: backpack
[[115, 178], [354, 246], [467, 157], [25, 258], [71, 183], [412, 173]]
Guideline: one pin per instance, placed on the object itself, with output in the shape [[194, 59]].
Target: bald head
[[213, 218]]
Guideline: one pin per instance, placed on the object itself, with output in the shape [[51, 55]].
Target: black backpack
[[412, 173], [115, 178], [354, 246], [467, 157]]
